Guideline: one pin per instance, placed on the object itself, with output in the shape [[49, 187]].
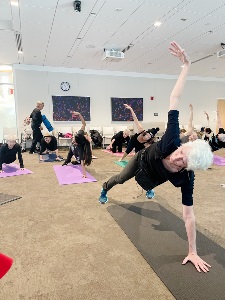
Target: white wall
[[42, 83]]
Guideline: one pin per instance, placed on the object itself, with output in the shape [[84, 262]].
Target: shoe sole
[[103, 202], [151, 197]]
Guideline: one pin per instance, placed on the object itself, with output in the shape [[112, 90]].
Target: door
[[221, 109]]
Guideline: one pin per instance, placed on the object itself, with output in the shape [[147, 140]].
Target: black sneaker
[[64, 164], [30, 152]]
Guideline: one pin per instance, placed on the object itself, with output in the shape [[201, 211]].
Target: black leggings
[[37, 136], [119, 145], [127, 173]]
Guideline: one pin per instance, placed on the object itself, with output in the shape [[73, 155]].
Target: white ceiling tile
[[38, 15]]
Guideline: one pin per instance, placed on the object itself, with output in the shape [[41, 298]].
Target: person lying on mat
[[49, 145], [80, 148], [169, 160], [141, 139], [8, 153], [118, 139]]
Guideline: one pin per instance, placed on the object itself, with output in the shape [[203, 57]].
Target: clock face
[[65, 86]]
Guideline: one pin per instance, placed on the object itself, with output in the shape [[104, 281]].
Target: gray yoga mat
[[4, 198], [160, 237]]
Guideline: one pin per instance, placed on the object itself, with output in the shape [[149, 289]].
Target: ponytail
[[87, 153]]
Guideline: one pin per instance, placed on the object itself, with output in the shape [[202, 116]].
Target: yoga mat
[[5, 264], [13, 170], [122, 153], [4, 198], [118, 153], [218, 160], [71, 174], [160, 237], [48, 157], [122, 163]]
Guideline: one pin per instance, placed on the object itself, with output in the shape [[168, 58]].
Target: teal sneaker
[[103, 197], [150, 194]]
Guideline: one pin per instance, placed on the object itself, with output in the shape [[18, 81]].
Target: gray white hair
[[11, 138], [127, 132], [199, 156], [221, 137]]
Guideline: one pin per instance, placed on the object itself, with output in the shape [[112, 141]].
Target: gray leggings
[[127, 173]]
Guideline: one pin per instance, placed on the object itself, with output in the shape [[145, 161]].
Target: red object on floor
[[5, 264]]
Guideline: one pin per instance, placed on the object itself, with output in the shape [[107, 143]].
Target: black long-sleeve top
[[153, 158], [8, 156], [52, 146], [119, 139], [134, 144], [36, 119]]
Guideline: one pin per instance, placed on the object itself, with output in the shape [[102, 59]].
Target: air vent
[[113, 55], [221, 54], [19, 42]]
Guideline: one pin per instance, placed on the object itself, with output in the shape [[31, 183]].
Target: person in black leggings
[[168, 160]]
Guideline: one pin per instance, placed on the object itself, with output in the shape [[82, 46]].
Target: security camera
[[77, 5]]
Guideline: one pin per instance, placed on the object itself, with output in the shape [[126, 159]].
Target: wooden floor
[[65, 245]]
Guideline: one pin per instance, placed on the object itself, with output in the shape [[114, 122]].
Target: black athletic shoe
[[64, 164]]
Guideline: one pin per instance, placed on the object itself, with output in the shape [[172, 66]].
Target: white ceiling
[[53, 34]]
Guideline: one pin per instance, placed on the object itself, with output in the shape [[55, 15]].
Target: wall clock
[[65, 86]]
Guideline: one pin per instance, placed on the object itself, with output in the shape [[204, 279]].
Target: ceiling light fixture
[[157, 24], [5, 68], [14, 3], [20, 52], [118, 9]]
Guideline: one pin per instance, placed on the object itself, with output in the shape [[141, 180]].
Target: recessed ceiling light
[[118, 9], [5, 68], [182, 66], [14, 3], [157, 24], [20, 52]]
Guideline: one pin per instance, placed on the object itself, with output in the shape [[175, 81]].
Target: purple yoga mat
[[71, 174], [13, 170], [219, 160]]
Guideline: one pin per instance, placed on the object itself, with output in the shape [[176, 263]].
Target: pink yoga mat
[[71, 175], [13, 170], [118, 153], [218, 160]]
